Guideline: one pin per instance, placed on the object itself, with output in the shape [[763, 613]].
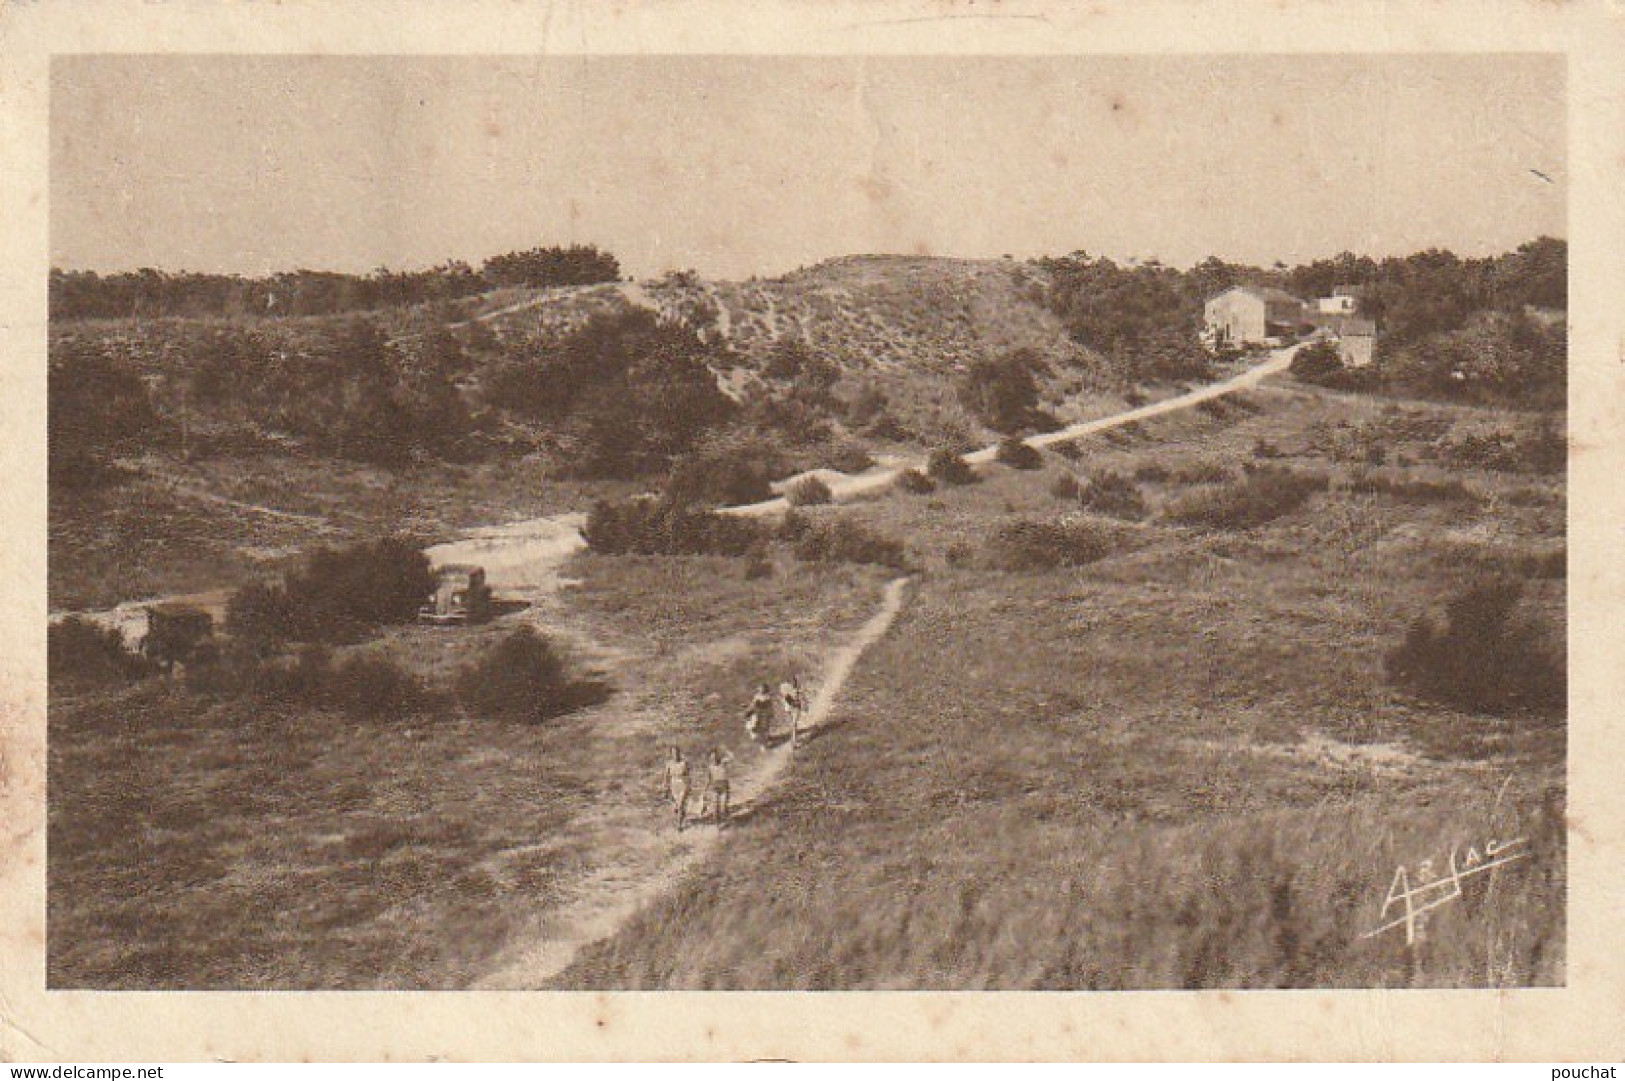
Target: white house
[[1251, 314]]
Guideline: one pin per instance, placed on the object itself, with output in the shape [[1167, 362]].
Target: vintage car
[[460, 596], [178, 634]]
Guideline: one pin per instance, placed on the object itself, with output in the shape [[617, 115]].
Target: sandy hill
[[862, 312]]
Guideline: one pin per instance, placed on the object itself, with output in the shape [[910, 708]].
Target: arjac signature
[[1433, 889]]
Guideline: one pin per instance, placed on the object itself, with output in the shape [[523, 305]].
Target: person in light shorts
[[795, 707], [675, 779]]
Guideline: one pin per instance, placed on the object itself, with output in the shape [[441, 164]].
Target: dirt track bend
[[609, 898], [845, 486]]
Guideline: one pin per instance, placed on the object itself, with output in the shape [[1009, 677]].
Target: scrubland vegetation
[[1167, 707]]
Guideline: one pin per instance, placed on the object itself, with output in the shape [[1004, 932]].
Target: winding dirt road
[[843, 486]]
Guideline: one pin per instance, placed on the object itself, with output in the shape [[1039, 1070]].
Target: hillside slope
[[902, 326]]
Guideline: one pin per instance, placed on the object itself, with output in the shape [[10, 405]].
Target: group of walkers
[[759, 715], [677, 778]]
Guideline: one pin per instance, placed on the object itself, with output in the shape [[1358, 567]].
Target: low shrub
[[644, 526], [337, 595], [79, 653], [1316, 363], [1482, 657], [808, 492], [1260, 496], [521, 678], [849, 456], [888, 428], [1114, 494], [1152, 473], [1031, 545], [915, 482], [1018, 454], [732, 475], [1543, 451], [369, 685], [758, 563], [1408, 490], [374, 686], [1263, 448], [1201, 473], [843, 541], [1066, 486], [948, 466]]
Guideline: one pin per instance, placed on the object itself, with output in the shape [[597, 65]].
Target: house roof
[[1267, 293], [1348, 291]]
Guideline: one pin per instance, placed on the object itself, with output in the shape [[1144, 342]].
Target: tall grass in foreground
[[1282, 899]]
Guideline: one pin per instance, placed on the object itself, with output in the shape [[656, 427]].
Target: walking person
[[759, 716], [676, 780], [717, 792], [795, 706]]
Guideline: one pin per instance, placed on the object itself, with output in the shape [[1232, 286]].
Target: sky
[[739, 166]]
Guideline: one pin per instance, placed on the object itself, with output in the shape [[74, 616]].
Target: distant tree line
[[1111, 308], [623, 395], [1440, 317], [84, 294]]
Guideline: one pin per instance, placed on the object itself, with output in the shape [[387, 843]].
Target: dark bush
[[521, 678], [1263, 448], [843, 541], [1003, 393], [260, 611], [373, 686], [889, 428], [1482, 657], [758, 562], [730, 475], [1066, 486], [369, 685], [1152, 473], [1542, 451], [948, 466], [1201, 473], [1019, 454], [1114, 494], [644, 526], [915, 483], [339, 594], [808, 492], [1408, 490], [1262, 495], [849, 457], [792, 527], [1029, 545], [84, 654], [1317, 363]]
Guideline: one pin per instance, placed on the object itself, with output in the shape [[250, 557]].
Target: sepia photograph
[[1070, 523]]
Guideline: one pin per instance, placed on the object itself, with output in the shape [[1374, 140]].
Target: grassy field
[[205, 844], [1177, 766], [177, 527], [1180, 766]]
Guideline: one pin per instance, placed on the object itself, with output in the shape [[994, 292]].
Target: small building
[[460, 596], [1357, 342], [1345, 300], [1251, 314]]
